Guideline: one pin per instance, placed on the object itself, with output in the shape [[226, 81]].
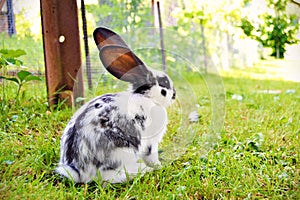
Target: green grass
[[255, 154]]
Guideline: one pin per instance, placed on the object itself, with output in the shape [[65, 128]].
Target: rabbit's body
[[112, 137], [116, 136]]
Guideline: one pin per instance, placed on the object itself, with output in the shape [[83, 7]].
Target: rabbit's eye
[[163, 92], [97, 105]]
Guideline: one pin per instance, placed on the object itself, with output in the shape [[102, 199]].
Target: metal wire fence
[[7, 21]]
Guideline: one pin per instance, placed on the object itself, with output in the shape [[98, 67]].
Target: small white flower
[[194, 116], [237, 97]]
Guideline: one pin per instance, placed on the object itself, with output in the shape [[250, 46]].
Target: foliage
[[9, 58], [276, 28], [23, 25], [33, 58], [21, 78], [121, 14], [191, 23], [247, 26], [211, 27]]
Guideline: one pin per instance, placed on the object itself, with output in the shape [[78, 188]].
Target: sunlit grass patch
[[255, 154]]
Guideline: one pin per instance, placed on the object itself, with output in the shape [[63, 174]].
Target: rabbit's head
[[122, 63]]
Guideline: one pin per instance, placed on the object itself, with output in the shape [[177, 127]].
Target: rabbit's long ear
[[103, 36], [125, 65]]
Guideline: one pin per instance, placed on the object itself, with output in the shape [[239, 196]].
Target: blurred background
[[222, 35]]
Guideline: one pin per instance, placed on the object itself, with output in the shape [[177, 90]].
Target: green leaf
[[13, 61], [8, 53], [22, 75], [189, 15], [11, 79], [32, 78]]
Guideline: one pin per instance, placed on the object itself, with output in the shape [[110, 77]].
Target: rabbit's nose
[[174, 94]]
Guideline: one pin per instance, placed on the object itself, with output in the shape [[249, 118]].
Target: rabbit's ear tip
[[100, 29], [104, 36], [98, 35]]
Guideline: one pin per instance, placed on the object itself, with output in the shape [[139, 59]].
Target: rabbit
[[115, 137]]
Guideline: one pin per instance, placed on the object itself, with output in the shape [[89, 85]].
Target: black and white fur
[[116, 136]]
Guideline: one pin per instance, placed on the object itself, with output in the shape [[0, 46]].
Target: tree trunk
[[277, 51], [204, 47], [230, 50]]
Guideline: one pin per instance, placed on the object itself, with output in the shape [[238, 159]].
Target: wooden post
[[61, 50], [163, 56], [2, 2]]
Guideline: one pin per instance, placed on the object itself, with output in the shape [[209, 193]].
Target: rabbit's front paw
[[152, 161]]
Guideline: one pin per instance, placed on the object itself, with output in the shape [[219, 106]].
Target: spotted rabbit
[[116, 136]]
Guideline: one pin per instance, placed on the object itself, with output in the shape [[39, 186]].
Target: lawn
[[245, 145]]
